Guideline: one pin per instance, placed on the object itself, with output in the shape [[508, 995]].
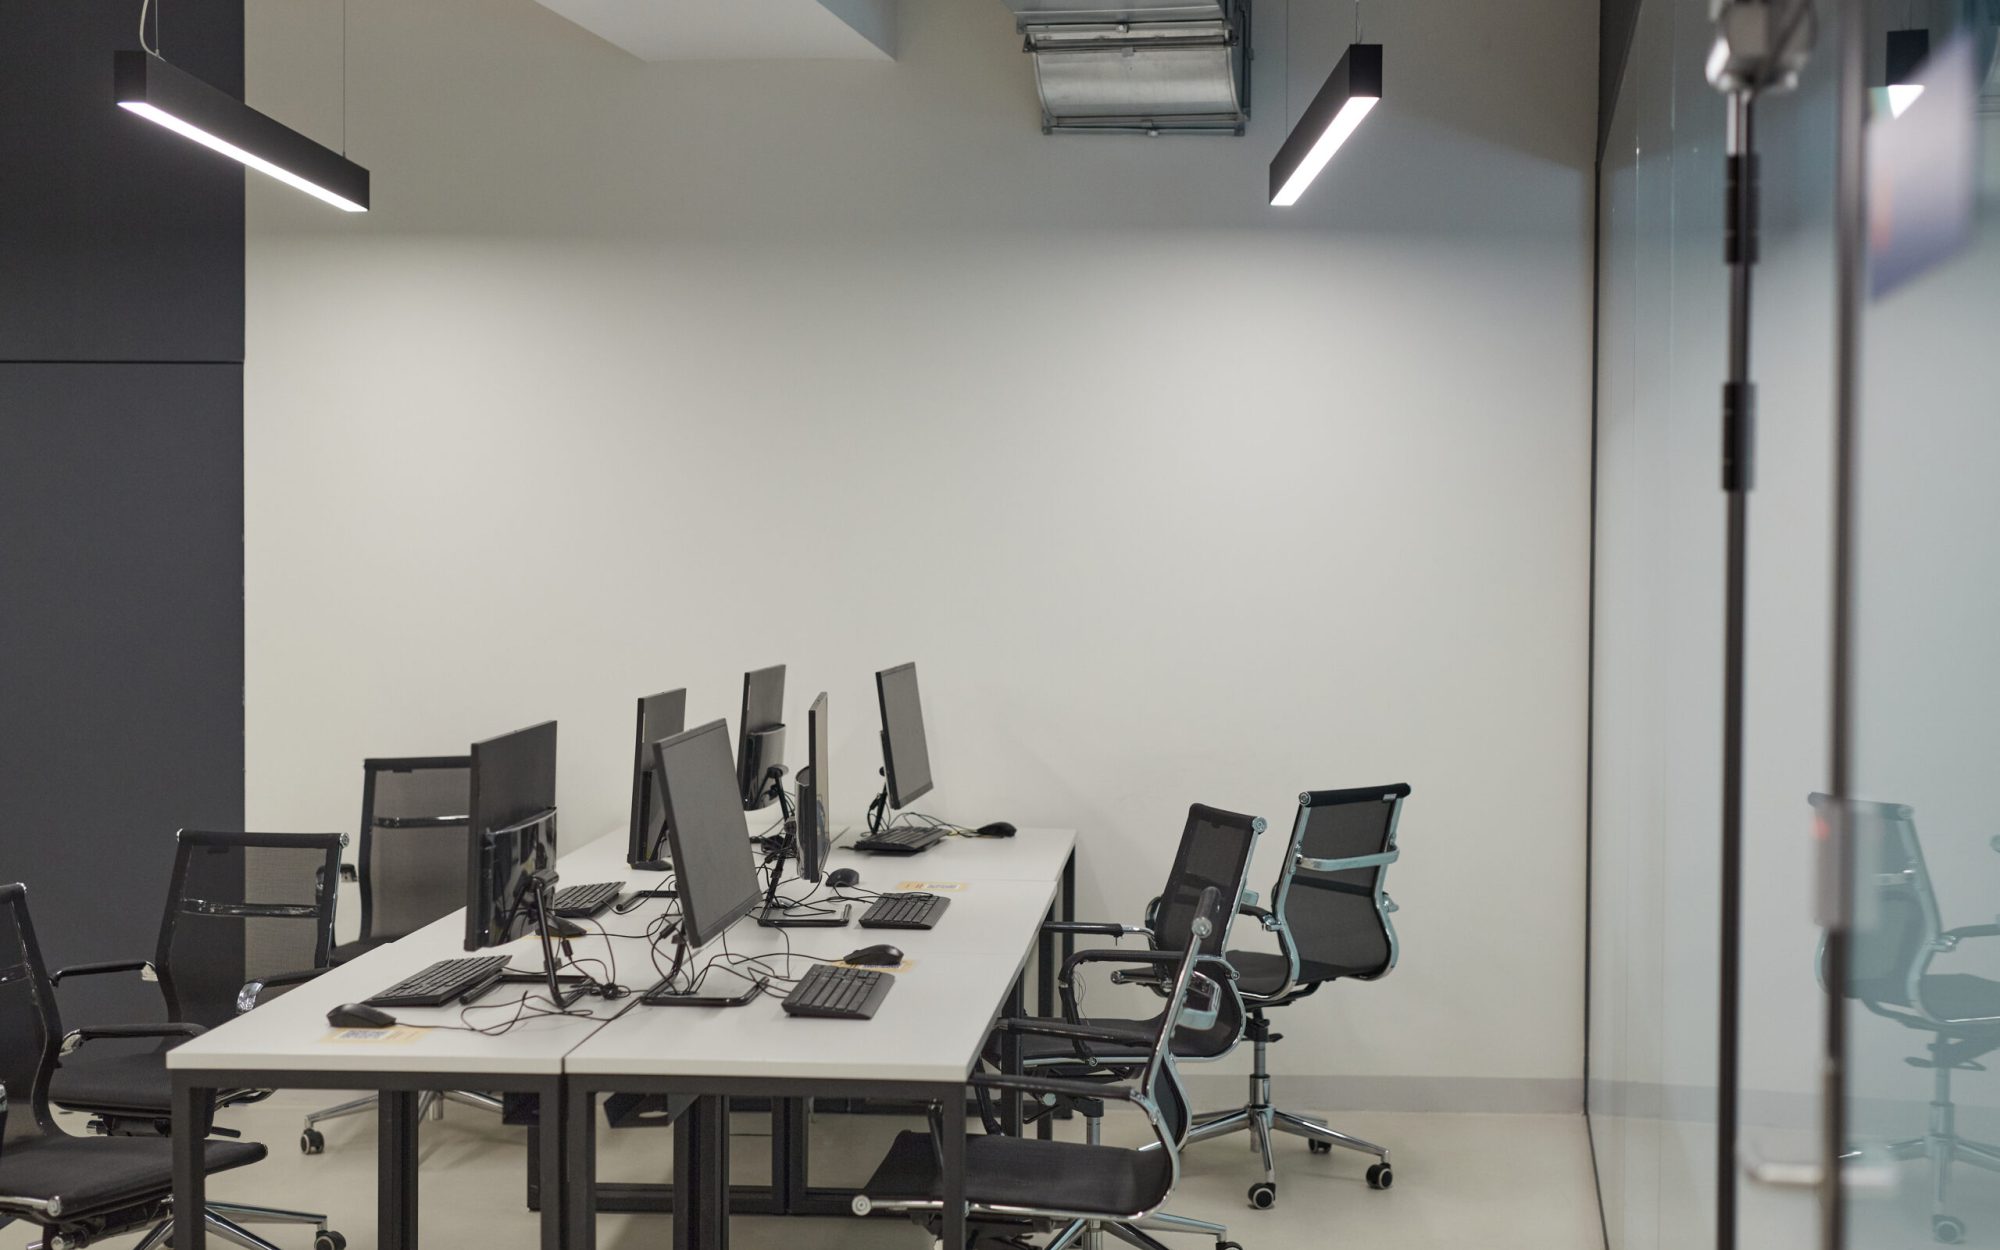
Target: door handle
[[1856, 1172]]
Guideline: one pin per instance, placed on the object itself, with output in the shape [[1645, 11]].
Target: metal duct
[[1158, 67]]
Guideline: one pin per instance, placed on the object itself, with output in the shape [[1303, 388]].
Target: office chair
[[1014, 1184], [79, 1189], [413, 853], [1331, 917], [1889, 973]]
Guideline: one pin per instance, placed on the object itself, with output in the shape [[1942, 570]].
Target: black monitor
[[906, 759], [712, 869], [815, 835], [760, 737], [512, 824], [660, 716]]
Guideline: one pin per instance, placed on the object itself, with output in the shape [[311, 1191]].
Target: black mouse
[[359, 1016], [841, 877], [882, 955], [998, 829]]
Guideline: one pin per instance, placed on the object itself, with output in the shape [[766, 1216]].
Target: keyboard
[[904, 911], [445, 981], [838, 993], [905, 841], [581, 902]]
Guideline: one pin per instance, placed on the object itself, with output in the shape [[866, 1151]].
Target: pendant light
[[1350, 91]]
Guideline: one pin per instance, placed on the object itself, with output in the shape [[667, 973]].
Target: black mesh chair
[[1331, 918], [1016, 1185], [414, 837], [1900, 934], [80, 1189]]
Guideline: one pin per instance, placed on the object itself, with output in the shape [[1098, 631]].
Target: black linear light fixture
[[1353, 88], [150, 87], [1906, 52]]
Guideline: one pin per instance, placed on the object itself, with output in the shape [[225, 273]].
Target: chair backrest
[[1159, 1086], [1897, 921], [242, 907], [1214, 852], [30, 1029], [415, 830], [1336, 921]]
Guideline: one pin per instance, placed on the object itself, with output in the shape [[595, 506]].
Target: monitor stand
[[546, 922], [776, 852], [665, 995]]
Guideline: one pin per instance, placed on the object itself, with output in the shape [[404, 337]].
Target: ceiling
[[727, 30]]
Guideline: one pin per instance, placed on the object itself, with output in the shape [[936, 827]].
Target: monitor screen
[[905, 757], [712, 870], [513, 780], [660, 716], [815, 832], [760, 736], [498, 904]]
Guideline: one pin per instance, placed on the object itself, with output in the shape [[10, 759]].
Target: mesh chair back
[[1160, 1081], [414, 836], [1897, 921], [29, 1026], [1337, 921], [1215, 851], [244, 906]]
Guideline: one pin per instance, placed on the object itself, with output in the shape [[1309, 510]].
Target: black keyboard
[[838, 993], [904, 911], [445, 981], [905, 841], [581, 902]]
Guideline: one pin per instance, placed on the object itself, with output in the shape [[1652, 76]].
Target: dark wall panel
[[118, 240], [121, 641], [1616, 20]]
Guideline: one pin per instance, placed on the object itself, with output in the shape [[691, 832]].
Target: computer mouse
[[879, 956], [841, 877], [998, 829], [359, 1016]]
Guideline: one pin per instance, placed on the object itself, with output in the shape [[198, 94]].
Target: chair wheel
[[327, 1239], [1228, 1245], [1319, 1147], [1380, 1177], [311, 1142], [1947, 1229], [1263, 1195]]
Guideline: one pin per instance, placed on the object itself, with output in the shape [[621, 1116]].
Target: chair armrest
[[74, 1039], [1352, 862], [1050, 1085], [1096, 928], [252, 993], [1075, 1032], [142, 966]]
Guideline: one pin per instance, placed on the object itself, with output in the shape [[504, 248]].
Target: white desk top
[[1030, 855]]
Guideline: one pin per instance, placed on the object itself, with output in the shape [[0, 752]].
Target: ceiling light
[[1354, 87]]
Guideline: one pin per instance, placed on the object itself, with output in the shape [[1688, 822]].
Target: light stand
[[1760, 47]]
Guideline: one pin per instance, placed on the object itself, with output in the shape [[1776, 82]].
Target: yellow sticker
[[931, 887], [905, 966], [397, 1035]]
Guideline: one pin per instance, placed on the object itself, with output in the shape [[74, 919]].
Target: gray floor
[[1499, 1182]]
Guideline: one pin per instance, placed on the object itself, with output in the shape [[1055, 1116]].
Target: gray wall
[[121, 487]]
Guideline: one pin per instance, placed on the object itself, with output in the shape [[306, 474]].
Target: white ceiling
[[725, 30]]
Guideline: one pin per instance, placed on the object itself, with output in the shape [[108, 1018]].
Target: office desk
[[921, 1045], [287, 1043]]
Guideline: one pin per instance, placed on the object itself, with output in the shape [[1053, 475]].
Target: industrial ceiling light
[[1354, 87], [1906, 53]]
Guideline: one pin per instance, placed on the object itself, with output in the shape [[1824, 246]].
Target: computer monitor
[[513, 790], [712, 869], [760, 737], [660, 716], [514, 863], [815, 831], [906, 758]]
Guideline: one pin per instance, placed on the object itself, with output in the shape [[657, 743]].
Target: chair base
[[1943, 1148], [1261, 1119], [224, 1220], [430, 1102]]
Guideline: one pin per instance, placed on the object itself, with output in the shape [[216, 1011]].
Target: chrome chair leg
[[235, 1233], [1299, 1126], [1068, 1236], [1166, 1221], [353, 1106], [161, 1231], [1260, 1130], [484, 1102], [265, 1215], [1219, 1125], [1133, 1237]]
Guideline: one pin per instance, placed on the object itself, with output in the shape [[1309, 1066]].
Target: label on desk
[[930, 887], [905, 966], [397, 1035]]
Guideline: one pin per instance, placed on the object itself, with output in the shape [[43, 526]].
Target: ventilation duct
[[1142, 67]]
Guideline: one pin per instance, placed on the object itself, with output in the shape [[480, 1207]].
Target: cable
[[154, 47]]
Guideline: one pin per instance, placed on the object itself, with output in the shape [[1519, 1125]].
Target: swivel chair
[[1890, 975], [81, 1189], [1331, 918], [414, 835], [1015, 1184]]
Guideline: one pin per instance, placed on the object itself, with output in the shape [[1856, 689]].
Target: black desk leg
[[701, 1175], [791, 1126], [953, 1150], [1010, 1063], [395, 1171], [580, 1192], [552, 1162], [1069, 904], [190, 1180]]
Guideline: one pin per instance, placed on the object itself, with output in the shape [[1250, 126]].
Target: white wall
[[641, 375]]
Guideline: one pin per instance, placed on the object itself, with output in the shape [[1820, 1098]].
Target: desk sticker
[[397, 1035], [905, 966], [930, 887]]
